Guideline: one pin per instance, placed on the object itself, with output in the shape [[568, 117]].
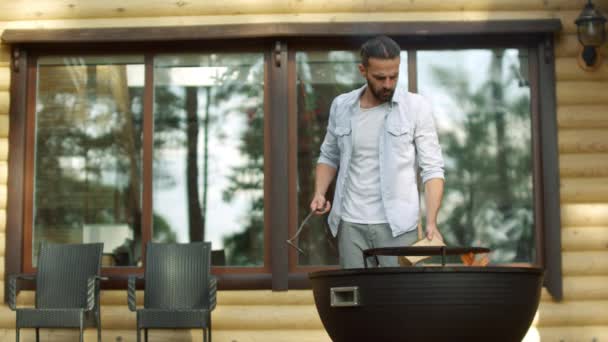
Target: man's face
[[381, 76]]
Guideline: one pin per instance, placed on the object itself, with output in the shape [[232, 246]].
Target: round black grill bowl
[[450, 303]]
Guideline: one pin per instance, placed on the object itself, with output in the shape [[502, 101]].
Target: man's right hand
[[320, 205]]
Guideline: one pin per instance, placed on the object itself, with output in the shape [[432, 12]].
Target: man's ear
[[362, 70]]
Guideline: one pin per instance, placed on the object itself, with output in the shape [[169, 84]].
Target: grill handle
[[422, 251]]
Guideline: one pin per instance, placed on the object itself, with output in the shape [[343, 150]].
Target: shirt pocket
[[343, 134], [400, 140]]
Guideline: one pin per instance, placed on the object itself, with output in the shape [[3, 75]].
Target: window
[[219, 140]]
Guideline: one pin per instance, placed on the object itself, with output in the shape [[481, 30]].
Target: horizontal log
[[583, 141], [1, 270], [48, 9], [7, 317], [574, 333], [3, 193], [4, 102], [584, 214], [594, 263], [264, 18], [573, 313], [582, 116], [574, 190], [582, 288], [250, 297], [581, 92], [567, 69], [583, 165], [4, 149], [3, 172], [170, 335], [567, 45], [2, 243], [2, 293], [2, 220], [585, 239], [229, 317], [5, 51], [5, 78], [4, 125]]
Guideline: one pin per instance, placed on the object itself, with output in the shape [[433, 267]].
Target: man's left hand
[[433, 232]]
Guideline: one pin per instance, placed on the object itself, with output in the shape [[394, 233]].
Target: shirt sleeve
[[330, 152], [428, 149]]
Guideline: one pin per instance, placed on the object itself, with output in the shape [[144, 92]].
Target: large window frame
[[279, 43]]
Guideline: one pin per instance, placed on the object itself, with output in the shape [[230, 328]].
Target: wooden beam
[[583, 141], [584, 190], [593, 263], [585, 239], [573, 313], [583, 165], [234, 31], [584, 214], [582, 116]]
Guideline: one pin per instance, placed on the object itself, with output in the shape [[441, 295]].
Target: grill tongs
[[291, 241]]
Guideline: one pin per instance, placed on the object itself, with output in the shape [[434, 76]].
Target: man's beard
[[382, 94]]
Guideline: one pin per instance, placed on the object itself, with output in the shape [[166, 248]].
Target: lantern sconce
[[591, 34]]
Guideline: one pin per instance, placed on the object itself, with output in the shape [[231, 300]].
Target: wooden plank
[[573, 190], [2, 243], [583, 165], [582, 288], [5, 78], [573, 313], [2, 220], [583, 141], [3, 150], [243, 297], [4, 102], [3, 172], [48, 9], [585, 239], [584, 214], [4, 125], [582, 116], [170, 335], [567, 69], [418, 27], [574, 333], [581, 93], [593, 263], [3, 193]]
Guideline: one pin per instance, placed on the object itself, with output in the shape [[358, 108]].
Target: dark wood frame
[[536, 34]]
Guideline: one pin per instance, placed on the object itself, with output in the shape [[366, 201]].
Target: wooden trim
[[550, 169], [276, 30], [28, 195], [537, 179], [17, 135], [147, 205], [279, 176]]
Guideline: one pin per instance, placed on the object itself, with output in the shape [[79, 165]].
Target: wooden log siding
[[582, 112]]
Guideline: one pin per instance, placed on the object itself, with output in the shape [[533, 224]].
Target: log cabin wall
[[582, 111]]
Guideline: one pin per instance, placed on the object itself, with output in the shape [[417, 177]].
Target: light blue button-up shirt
[[409, 138]]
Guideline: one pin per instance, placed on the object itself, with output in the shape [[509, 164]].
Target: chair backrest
[[177, 275], [62, 274]]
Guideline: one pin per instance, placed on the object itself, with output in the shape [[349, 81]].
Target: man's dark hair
[[379, 47]]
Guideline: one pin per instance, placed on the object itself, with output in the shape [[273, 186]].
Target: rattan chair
[[179, 290], [67, 289]]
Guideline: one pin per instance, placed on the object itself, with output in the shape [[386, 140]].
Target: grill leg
[[138, 335], [17, 334], [146, 334], [37, 334]]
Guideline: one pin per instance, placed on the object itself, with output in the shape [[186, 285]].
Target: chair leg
[[98, 327], [81, 328], [37, 334]]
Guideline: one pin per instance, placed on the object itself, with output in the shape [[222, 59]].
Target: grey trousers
[[354, 238]]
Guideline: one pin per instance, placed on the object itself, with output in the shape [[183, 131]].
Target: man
[[376, 138]]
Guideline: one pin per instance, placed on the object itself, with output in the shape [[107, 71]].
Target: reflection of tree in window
[[488, 195]]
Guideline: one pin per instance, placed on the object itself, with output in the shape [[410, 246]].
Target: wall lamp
[[591, 34]]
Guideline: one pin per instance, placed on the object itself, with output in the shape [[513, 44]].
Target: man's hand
[[433, 232], [320, 205]]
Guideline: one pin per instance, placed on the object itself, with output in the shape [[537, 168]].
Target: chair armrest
[[12, 288], [212, 292], [93, 290], [132, 291]]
